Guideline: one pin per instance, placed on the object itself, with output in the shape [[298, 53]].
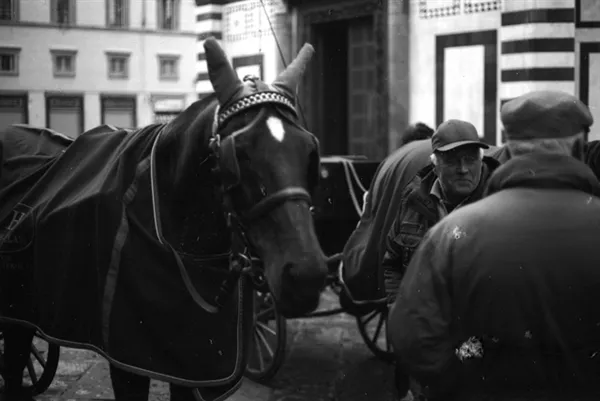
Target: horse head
[[247, 140]]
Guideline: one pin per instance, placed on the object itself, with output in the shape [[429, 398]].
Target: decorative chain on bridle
[[251, 101]]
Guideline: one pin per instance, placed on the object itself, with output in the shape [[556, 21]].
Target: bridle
[[226, 166]]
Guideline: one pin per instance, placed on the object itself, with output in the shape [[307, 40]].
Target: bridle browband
[[222, 151]]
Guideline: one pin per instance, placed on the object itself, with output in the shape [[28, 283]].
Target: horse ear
[[222, 76], [287, 82]]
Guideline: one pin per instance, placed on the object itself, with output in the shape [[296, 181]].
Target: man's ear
[[435, 161]]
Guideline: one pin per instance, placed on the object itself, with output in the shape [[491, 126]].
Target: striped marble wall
[[247, 30], [587, 45], [208, 23], [537, 47]]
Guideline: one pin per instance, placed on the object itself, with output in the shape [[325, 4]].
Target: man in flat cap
[[455, 177], [500, 302]]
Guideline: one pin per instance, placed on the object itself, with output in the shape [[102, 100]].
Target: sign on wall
[[248, 19]]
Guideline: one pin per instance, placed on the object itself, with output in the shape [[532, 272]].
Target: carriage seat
[[337, 198]]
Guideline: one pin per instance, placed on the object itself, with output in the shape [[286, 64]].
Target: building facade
[[383, 64], [72, 65]]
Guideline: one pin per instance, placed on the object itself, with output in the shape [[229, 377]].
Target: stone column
[[282, 25], [398, 70], [209, 22]]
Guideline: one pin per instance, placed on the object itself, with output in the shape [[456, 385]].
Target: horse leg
[[17, 348], [129, 386], [180, 393]]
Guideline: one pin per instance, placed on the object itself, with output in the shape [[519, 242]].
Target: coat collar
[[544, 172]]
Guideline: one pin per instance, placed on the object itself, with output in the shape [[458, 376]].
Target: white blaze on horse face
[[276, 128]]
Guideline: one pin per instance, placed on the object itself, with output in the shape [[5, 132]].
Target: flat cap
[[454, 133], [544, 114]]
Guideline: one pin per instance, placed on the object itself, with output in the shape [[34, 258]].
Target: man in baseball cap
[[456, 177], [458, 163]]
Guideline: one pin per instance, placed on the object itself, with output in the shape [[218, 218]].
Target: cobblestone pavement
[[326, 361]]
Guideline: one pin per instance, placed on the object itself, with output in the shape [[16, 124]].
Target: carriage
[[344, 180]]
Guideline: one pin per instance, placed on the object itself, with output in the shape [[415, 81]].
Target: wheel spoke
[[31, 371], [259, 354], [370, 317], [266, 343], [265, 312], [266, 328], [378, 329], [36, 353]]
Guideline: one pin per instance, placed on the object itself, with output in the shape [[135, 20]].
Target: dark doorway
[[331, 87], [344, 97]]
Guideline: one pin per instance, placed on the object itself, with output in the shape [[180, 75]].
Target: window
[[118, 111], [166, 108], [63, 12], [65, 114], [168, 14], [168, 67], [118, 65], [63, 62], [9, 60], [13, 109], [117, 13], [164, 117], [9, 10]]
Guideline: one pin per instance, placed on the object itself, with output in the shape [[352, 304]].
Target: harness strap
[[198, 299], [279, 197], [350, 173]]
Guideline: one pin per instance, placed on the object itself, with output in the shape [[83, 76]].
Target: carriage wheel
[[373, 330], [41, 367], [267, 349]]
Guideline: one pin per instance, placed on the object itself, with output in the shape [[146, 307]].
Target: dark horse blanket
[[76, 223], [365, 248]]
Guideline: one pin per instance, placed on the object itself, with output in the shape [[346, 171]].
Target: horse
[[190, 205]]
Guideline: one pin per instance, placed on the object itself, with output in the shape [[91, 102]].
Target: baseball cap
[[454, 133]]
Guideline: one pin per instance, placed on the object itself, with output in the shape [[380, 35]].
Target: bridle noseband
[[226, 166]]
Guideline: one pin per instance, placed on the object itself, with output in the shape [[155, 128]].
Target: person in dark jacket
[[416, 132], [455, 177], [364, 249], [500, 301]]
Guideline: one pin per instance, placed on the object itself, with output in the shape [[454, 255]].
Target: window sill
[[168, 78], [64, 75], [118, 77], [9, 73]]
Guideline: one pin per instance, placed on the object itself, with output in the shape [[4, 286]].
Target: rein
[[223, 152]]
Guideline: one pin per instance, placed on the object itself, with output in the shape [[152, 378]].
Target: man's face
[[459, 170]]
